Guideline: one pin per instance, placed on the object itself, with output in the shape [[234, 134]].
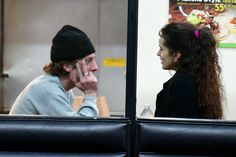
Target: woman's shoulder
[[182, 82], [183, 79], [182, 76]]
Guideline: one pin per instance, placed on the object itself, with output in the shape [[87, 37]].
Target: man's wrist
[[90, 93]]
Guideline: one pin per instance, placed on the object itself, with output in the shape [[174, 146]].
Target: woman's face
[[166, 58]]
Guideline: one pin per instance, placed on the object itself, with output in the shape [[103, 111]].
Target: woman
[[195, 90]]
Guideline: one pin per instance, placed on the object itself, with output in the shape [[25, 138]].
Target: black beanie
[[69, 44]]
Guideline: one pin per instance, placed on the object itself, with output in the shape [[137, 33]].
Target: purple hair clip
[[197, 34]]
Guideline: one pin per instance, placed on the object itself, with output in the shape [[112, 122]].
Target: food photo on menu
[[218, 15]]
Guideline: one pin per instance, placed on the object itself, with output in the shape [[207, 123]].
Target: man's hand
[[84, 79]]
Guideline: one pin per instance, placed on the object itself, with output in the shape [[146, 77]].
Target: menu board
[[218, 15]]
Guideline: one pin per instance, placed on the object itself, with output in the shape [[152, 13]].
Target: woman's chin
[[164, 68]]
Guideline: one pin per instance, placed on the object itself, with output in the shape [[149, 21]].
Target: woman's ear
[[177, 57], [67, 68]]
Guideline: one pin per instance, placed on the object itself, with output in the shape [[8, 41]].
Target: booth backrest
[[185, 137], [49, 137], [83, 137]]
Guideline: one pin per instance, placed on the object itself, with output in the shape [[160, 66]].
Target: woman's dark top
[[178, 98]]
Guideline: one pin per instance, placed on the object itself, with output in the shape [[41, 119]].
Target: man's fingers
[[84, 68], [78, 68], [74, 76]]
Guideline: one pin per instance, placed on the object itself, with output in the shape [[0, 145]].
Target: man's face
[[90, 62], [81, 73], [86, 65]]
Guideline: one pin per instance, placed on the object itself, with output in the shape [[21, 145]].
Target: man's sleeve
[[89, 107]]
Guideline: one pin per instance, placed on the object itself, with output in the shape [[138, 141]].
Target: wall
[[153, 14], [112, 44], [30, 26]]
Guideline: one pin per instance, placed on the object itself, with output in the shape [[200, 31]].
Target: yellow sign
[[114, 62]]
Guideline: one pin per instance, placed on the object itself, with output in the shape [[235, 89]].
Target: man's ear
[[177, 56], [67, 68]]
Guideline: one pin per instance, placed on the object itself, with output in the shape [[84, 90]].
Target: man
[[72, 65]]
